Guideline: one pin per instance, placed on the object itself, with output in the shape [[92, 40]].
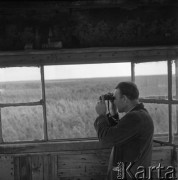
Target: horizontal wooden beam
[[158, 101], [21, 104], [46, 147], [87, 56], [82, 4], [61, 145]]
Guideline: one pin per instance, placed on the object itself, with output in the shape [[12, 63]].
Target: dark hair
[[128, 89]]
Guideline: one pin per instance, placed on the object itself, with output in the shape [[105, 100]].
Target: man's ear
[[125, 98]]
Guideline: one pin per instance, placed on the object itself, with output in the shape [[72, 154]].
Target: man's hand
[[101, 107], [113, 109]]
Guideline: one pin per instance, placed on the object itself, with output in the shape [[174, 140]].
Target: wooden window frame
[[170, 102], [134, 55], [41, 102]]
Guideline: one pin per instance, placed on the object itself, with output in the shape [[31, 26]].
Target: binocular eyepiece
[[108, 97]]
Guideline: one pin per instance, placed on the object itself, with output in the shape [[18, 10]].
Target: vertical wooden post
[[176, 81], [169, 65], [1, 138], [44, 104], [132, 71]]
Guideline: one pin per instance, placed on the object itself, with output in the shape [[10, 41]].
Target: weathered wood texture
[[176, 162], [49, 147], [82, 160], [88, 56], [63, 165], [162, 155], [53, 147], [7, 171], [81, 24], [83, 163]]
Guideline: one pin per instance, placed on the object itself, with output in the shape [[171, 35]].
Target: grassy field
[[71, 106]]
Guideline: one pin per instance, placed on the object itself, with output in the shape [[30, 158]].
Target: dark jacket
[[130, 139]]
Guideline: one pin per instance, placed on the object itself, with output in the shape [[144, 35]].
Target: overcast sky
[[82, 71]]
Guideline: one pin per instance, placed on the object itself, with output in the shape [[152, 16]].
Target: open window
[[55, 101], [157, 83], [72, 92], [53, 97], [20, 104]]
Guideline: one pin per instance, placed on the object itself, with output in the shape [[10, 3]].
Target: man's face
[[119, 101]]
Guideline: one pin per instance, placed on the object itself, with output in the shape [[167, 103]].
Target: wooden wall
[[67, 163], [70, 165]]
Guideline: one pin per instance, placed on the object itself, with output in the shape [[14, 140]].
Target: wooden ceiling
[[88, 24], [127, 4], [43, 8], [84, 23]]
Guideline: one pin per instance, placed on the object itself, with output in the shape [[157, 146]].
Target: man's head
[[126, 96]]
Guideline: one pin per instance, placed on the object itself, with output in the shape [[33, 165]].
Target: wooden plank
[[46, 167], [84, 178], [85, 151], [37, 167], [158, 101], [43, 147], [83, 164], [21, 104], [162, 155], [87, 55], [52, 167], [6, 168], [83, 158], [55, 167], [176, 161], [54, 147], [50, 175], [25, 168], [16, 168], [166, 156], [83, 171], [41, 6], [88, 50]]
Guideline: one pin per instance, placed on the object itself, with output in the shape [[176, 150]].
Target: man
[[130, 137]]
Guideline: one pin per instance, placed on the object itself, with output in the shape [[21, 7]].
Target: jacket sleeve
[[126, 128], [113, 120]]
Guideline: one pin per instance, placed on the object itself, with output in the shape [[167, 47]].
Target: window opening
[[20, 101], [67, 95], [72, 92], [20, 85], [156, 81], [22, 123], [175, 99]]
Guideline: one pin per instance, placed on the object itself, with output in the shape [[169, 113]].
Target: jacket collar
[[139, 106]]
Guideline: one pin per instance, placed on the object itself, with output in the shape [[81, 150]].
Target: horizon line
[[81, 78]]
